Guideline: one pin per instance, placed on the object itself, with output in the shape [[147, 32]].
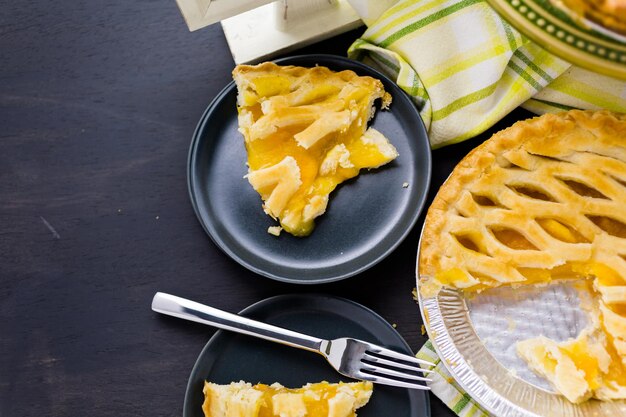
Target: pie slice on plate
[[541, 201], [241, 399], [305, 132]]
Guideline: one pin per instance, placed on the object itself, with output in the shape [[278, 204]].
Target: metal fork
[[350, 357]]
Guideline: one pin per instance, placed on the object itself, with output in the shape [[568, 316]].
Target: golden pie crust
[[305, 132], [608, 13], [322, 399], [541, 201]]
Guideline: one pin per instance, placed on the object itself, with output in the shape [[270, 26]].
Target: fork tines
[[406, 361], [391, 367]]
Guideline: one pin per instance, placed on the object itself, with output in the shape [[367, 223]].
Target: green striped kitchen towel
[[445, 387], [466, 68]]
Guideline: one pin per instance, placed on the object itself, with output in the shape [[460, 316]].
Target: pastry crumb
[[423, 329], [511, 324], [274, 230], [405, 185]]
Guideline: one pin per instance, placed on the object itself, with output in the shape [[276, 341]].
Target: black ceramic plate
[[366, 218], [232, 357]]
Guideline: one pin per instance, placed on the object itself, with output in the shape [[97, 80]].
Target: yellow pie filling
[[323, 399], [305, 132], [539, 202]]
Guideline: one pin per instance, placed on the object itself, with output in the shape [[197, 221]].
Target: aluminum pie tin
[[475, 336]]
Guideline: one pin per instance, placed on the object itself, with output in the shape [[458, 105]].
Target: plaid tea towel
[[446, 388], [466, 68]]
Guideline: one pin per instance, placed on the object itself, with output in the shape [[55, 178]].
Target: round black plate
[[229, 357], [366, 218]]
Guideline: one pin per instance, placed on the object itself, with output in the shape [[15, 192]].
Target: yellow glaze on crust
[[543, 200], [305, 132], [241, 399]]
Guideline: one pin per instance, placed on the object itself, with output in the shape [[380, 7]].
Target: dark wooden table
[[98, 101]]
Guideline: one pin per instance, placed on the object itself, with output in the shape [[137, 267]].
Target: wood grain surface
[[98, 101]]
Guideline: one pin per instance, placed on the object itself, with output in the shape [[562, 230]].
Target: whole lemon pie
[[305, 132], [541, 201], [323, 399]]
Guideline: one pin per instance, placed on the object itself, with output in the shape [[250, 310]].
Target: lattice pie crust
[[322, 399], [543, 200], [305, 132]]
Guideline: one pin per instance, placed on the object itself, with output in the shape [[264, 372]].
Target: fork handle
[[190, 310]]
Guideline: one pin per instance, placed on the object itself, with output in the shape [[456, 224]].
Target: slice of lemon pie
[[543, 200], [305, 132], [323, 399]]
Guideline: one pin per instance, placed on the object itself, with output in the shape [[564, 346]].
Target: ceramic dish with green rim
[[231, 357], [565, 36]]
